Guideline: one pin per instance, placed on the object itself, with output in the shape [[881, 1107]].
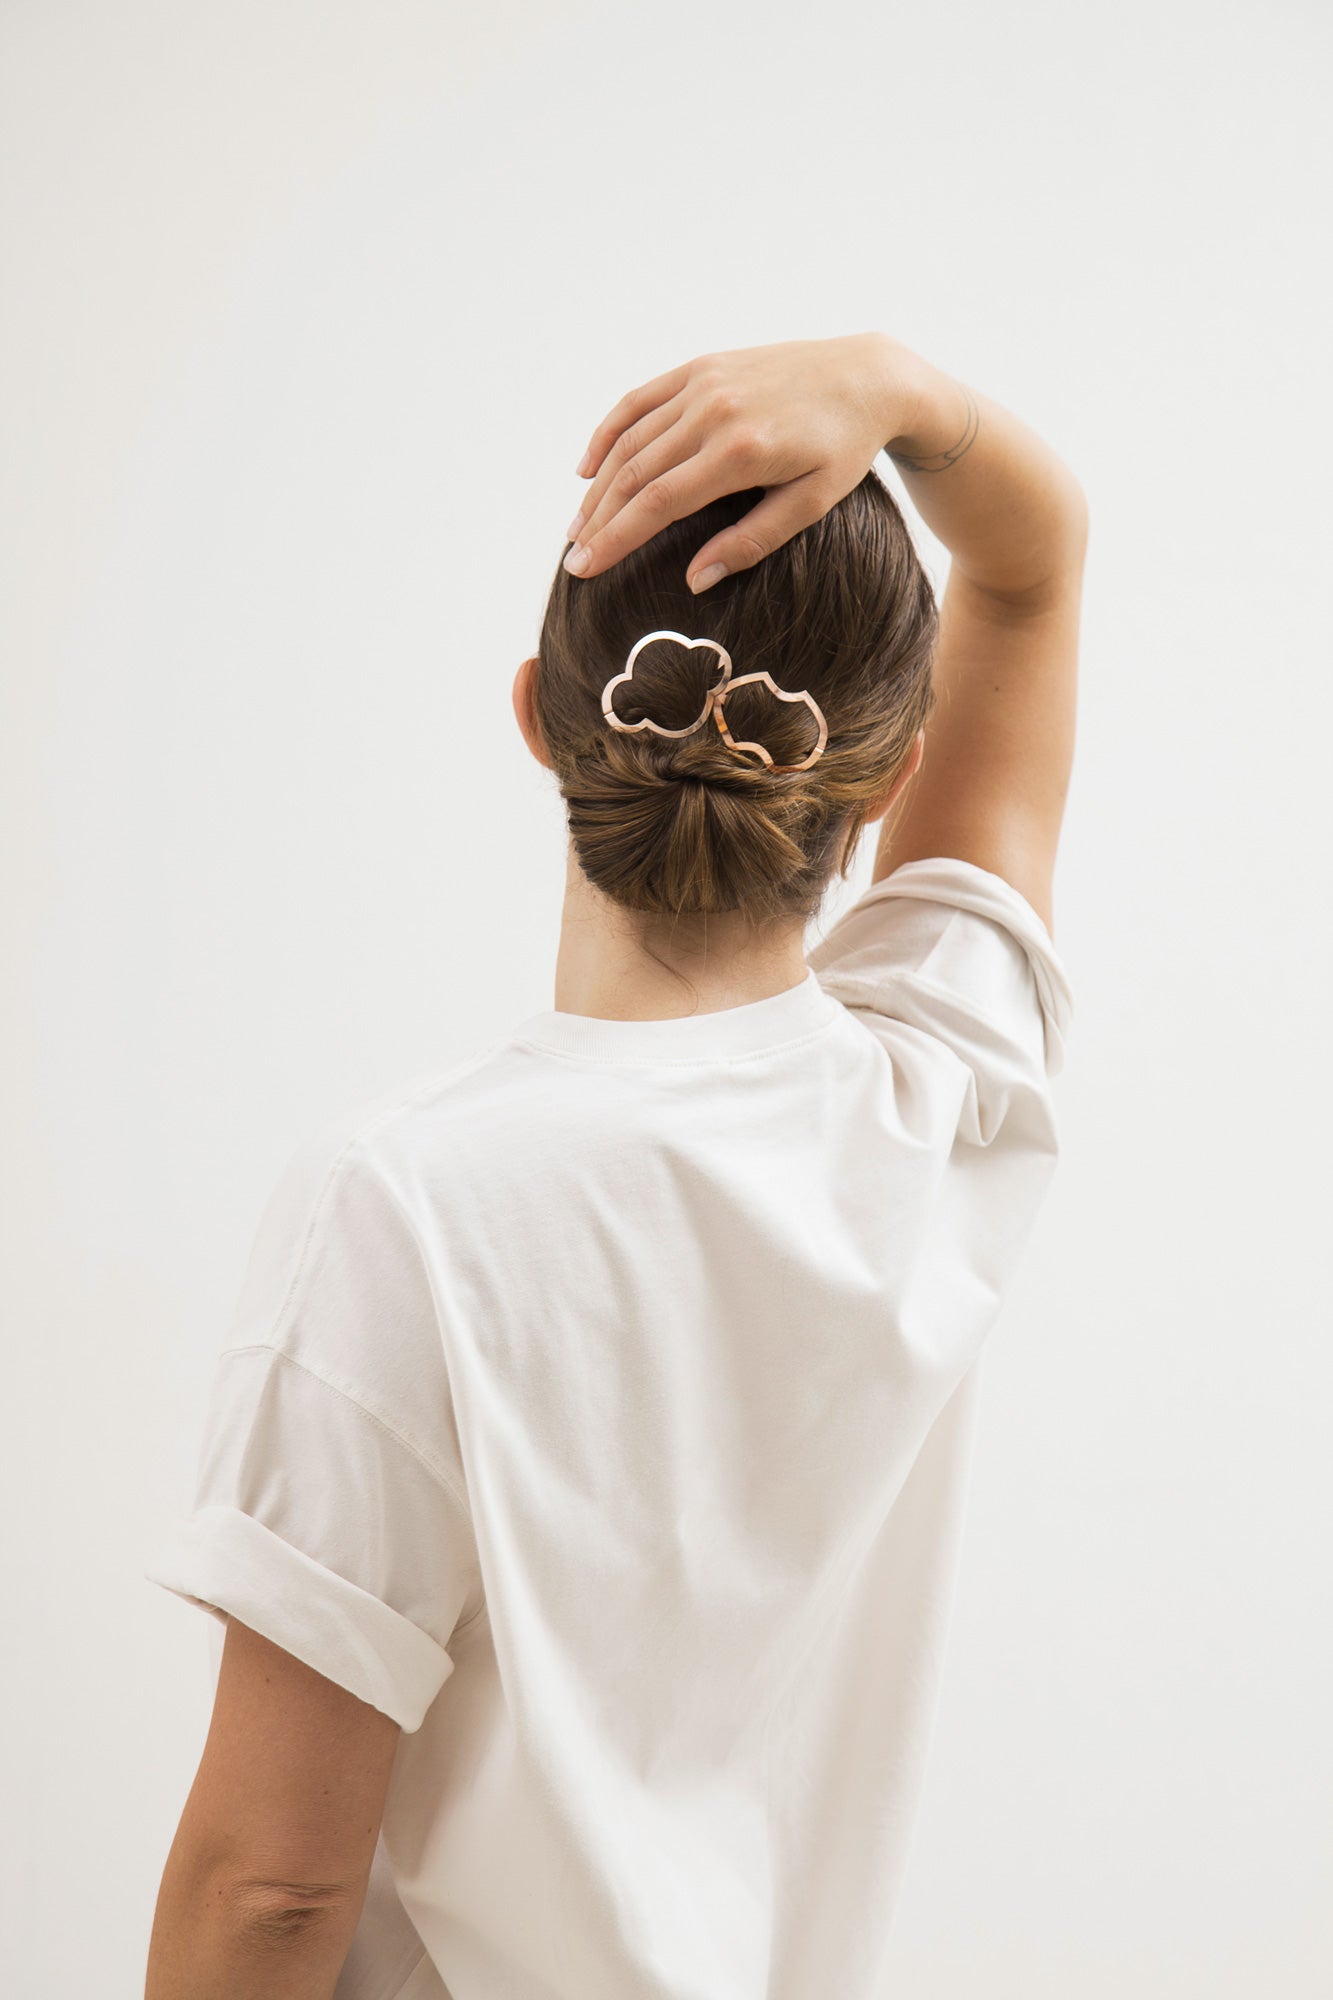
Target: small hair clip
[[714, 701]]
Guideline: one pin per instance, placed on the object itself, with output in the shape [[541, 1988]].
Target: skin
[[988, 777], [264, 1884], [602, 967], [267, 1876]]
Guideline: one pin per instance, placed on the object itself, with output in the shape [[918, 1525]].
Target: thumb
[[782, 513]]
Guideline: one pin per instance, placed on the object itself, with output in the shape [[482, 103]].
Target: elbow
[[1070, 517], [1077, 512], [1058, 569]]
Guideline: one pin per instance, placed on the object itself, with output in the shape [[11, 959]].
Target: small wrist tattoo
[[940, 461]]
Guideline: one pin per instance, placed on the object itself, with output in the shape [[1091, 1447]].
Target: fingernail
[[584, 466], [707, 577], [577, 561], [572, 531]]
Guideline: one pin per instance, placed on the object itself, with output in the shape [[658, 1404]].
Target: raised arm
[[805, 420], [1000, 743]]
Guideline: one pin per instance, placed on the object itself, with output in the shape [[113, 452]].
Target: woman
[[584, 1470]]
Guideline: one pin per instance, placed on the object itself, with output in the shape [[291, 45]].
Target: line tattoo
[[940, 461]]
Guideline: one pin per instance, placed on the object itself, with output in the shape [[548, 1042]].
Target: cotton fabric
[[601, 1410]]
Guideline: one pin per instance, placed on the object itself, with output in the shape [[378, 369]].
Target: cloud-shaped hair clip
[[714, 701]]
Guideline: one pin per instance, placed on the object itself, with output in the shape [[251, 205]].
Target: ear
[[525, 709], [904, 777]]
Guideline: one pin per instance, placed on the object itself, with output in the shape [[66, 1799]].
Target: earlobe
[[525, 711], [903, 779]]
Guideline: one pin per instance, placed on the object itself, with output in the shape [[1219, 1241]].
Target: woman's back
[[624, 1378], [599, 1410]]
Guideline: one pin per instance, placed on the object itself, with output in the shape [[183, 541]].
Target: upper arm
[[1000, 741], [295, 1771]]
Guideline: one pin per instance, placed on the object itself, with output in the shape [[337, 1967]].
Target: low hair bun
[[688, 830], [685, 826]]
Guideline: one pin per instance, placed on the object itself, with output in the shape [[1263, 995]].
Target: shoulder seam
[[331, 1173], [276, 1353], [358, 1137]]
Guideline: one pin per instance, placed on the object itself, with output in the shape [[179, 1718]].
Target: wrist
[[900, 389], [938, 417]]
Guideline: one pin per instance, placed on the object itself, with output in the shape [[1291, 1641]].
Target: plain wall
[[311, 309]]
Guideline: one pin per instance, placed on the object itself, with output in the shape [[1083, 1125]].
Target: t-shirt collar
[[755, 1028]]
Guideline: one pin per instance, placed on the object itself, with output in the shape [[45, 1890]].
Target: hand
[[802, 418]]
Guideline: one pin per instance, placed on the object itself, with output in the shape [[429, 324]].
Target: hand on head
[[804, 419]]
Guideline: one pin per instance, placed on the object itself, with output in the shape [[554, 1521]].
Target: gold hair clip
[[714, 701]]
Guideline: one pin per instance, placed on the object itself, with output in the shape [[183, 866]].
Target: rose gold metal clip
[[714, 701]]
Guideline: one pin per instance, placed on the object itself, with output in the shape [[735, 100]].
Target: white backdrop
[[310, 311]]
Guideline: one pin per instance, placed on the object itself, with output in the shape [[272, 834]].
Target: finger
[[627, 447], [631, 407], [690, 484], [646, 451], [782, 513]]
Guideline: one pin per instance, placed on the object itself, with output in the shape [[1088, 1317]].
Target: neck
[[608, 966]]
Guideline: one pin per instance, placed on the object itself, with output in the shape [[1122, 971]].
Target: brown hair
[[682, 827]]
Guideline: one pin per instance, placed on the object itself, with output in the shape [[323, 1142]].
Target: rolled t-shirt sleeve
[[948, 950], [331, 1512]]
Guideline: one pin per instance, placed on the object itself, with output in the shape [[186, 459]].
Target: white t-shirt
[[601, 1409]]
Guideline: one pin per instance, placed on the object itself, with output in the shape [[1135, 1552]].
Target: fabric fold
[[230, 1563]]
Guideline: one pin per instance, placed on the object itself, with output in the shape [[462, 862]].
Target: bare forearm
[[1005, 505], [213, 1940]]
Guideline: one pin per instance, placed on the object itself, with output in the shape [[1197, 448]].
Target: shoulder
[[381, 1129], [948, 951]]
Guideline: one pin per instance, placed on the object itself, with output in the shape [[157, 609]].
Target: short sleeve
[[331, 1511], [945, 949]]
